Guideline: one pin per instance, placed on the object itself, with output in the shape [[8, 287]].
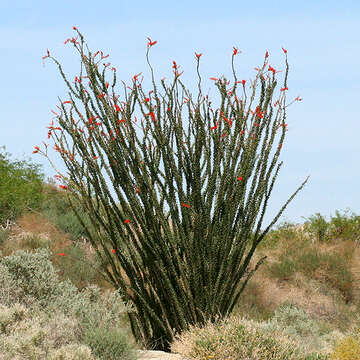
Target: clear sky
[[322, 39]]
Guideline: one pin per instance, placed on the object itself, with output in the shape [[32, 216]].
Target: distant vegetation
[[20, 187]]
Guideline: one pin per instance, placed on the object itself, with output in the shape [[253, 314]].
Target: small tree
[[197, 269]]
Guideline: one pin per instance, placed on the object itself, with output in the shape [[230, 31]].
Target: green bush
[[344, 226], [109, 344], [318, 226], [20, 186], [341, 226]]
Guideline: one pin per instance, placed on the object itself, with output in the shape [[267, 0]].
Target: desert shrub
[[236, 338], [29, 281], [345, 226], [20, 186], [318, 227], [32, 334], [109, 344], [32, 274], [348, 348], [310, 335]]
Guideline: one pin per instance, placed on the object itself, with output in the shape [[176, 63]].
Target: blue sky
[[323, 53]]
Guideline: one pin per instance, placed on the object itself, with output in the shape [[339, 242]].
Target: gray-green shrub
[[32, 299]]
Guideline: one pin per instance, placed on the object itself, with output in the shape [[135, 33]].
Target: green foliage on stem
[[20, 186], [195, 270]]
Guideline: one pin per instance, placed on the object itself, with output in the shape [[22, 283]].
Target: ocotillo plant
[[196, 270]]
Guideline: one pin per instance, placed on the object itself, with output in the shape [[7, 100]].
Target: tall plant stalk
[[196, 269]]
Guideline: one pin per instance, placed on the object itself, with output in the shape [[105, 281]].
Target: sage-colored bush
[[239, 338], [41, 317], [196, 270]]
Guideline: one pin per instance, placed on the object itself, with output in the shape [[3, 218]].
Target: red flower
[[104, 57], [242, 132], [214, 127], [74, 28], [136, 76], [113, 251], [243, 82], [259, 113], [276, 102], [198, 55], [64, 187], [213, 78], [147, 100], [151, 43], [67, 102], [236, 51], [151, 113], [101, 95], [73, 40], [61, 254], [48, 54], [106, 84], [298, 98], [284, 50], [240, 178], [117, 108], [283, 89], [36, 149], [77, 79], [266, 55], [127, 221], [186, 205], [272, 69]]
